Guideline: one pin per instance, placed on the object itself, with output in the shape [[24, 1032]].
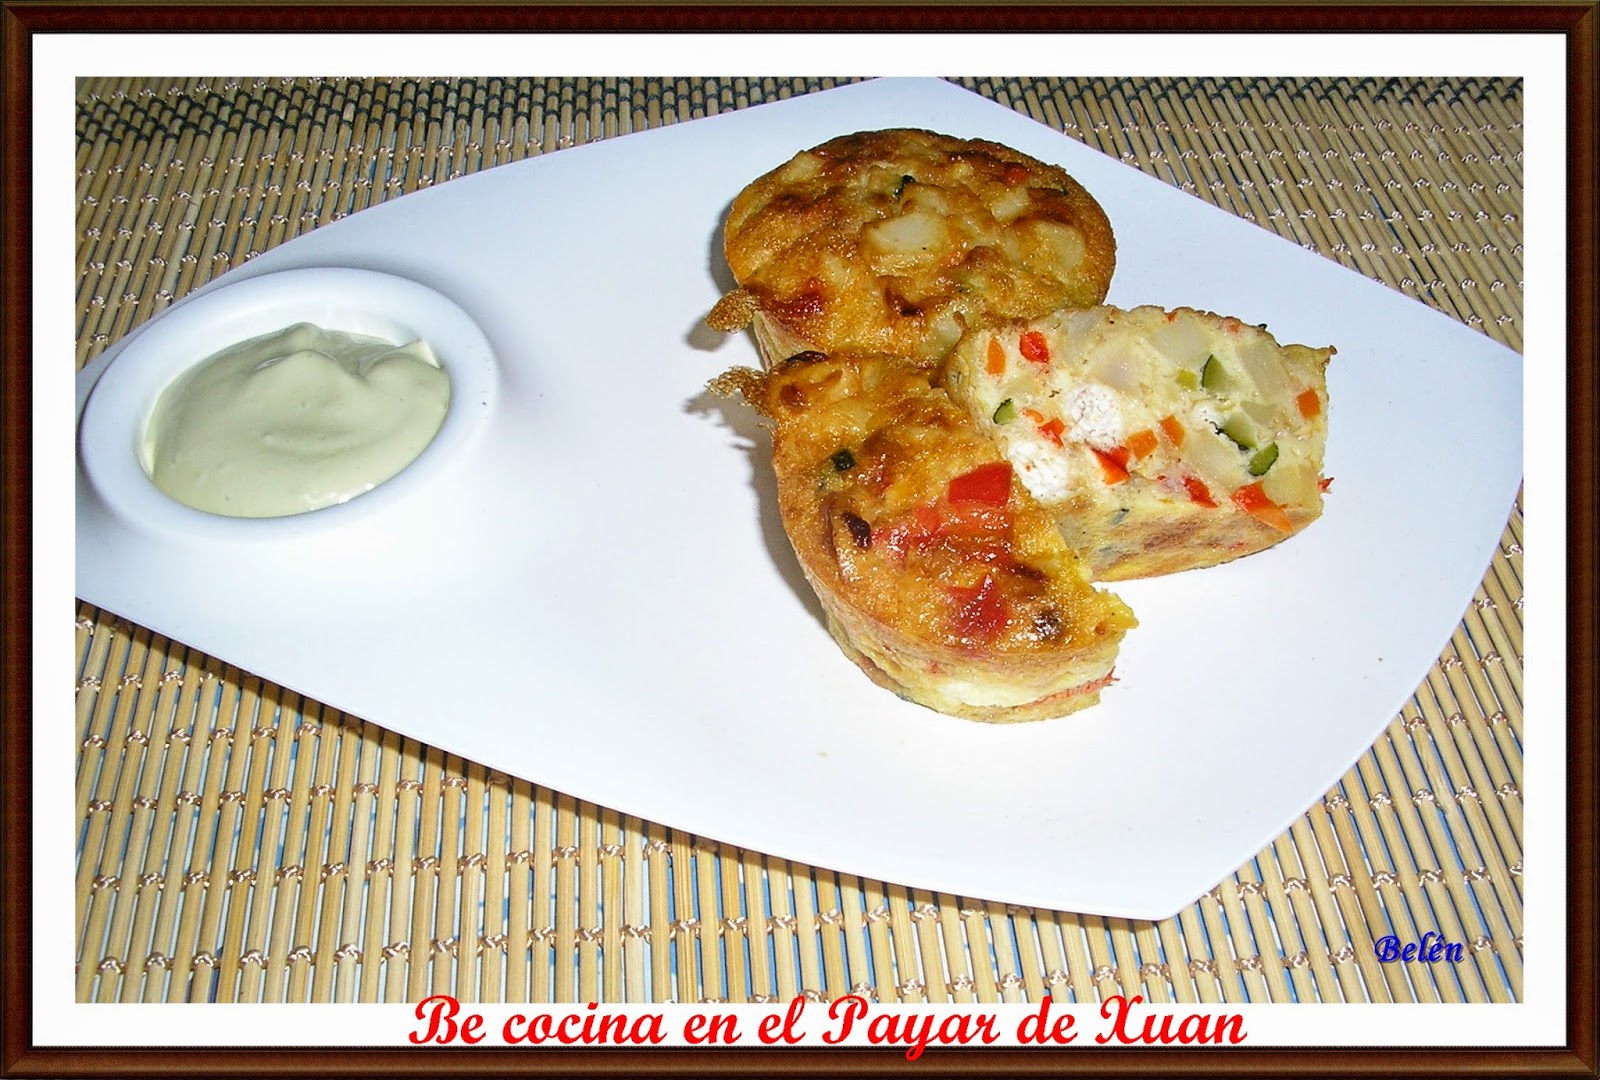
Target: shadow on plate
[[700, 336], [755, 441]]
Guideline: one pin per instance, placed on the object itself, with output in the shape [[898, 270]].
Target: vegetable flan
[[940, 575], [899, 241]]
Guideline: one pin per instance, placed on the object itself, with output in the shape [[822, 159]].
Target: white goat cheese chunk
[[1093, 415]]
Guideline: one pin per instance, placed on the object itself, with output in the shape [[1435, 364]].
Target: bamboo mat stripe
[[238, 842]]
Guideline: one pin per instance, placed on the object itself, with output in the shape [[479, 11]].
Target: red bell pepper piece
[[988, 484], [1113, 463], [980, 611], [916, 528], [1198, 492], [1034, 347], [975, 520], [1253, 501]]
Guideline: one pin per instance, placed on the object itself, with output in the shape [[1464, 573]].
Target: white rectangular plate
[[599, 597]]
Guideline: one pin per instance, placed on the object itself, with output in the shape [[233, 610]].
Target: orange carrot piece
[[1142, 443], [996, 363], [1172, 430]]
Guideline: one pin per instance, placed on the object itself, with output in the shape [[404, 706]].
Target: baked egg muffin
[[898, 241], [941, 577], [1160, 440]]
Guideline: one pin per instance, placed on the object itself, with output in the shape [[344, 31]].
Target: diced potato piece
[[1062, 244], [1012, 202], [901, 243]]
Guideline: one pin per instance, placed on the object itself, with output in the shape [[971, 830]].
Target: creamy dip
[[294, 421]]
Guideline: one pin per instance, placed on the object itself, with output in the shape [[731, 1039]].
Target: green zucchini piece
[[1239, 428], [1214, 376], [1188, 379], [1263, 459], [1005, 412]]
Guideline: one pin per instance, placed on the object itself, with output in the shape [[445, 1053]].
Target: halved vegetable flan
[[1160, 440]]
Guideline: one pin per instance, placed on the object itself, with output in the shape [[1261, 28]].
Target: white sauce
[[294, 421]]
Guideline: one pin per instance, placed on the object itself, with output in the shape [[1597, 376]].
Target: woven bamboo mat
[[239, 842]]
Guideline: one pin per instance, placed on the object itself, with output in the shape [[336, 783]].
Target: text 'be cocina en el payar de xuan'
[[851, 1020]]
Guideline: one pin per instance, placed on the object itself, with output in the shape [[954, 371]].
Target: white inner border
[[1538, 59]]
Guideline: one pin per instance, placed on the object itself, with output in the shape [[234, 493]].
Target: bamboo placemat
[[239, 842]]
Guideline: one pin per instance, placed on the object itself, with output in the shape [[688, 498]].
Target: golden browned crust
[[1051, 706], [960, 596], [897, 241]]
